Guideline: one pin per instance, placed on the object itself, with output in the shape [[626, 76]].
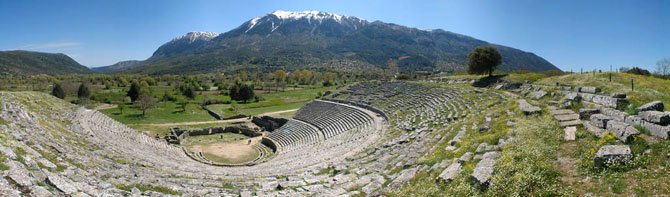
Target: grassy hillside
[[541, 163], [647, 88], [35, 63]]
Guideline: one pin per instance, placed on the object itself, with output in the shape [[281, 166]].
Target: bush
[[403, 77], [58, 91], [638, 71], [212, 101]]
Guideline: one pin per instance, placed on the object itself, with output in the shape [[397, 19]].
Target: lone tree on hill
[[83, 92], [663, 67], [58, 91], [483, 60], [145, 102], [134, 91]]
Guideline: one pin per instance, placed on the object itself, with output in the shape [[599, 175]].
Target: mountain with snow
[[184, 44], [295, 40]]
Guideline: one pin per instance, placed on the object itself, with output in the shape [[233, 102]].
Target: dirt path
[[278, 112], [106, 106], [213, 121]]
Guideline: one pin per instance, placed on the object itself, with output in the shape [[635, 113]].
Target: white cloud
[[49, 45]]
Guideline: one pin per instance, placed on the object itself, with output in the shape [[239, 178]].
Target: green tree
[[83, 92], [280, 76], [246, 93], [121, 106], [188, 91], [145, 102], [234, 92], [663, 67], [58, 91], [483, 60], [134, 91], [328, 78]]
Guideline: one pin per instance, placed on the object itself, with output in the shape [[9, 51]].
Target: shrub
[[638, 71]]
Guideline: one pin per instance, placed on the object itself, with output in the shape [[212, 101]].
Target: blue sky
[[569, 34]]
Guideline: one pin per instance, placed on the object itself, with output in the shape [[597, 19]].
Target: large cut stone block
[[527, 108], [569, 133], [612, 154], [538, 94], [618, 95], [590, 89], [450, 173], [600, 120], [615, 114], [586, 113], [573, 96], [655, 129], [657, 117], [481, 175], [60, 184], [622, 131], [652, 106]]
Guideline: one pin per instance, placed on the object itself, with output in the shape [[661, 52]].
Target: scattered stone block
[[405, 175], [561, 112], [623, 132], [618, 95], [655, 129], [245, 194], [570, 133], [566, 117], [538, 94], [589, 89], [570, 123], [598, 132], [573, 96], [615, 114], [481, 175], [527, 108], [60, 184], [600, 120], [656, 117], [612, 154], [39, 191], [19, 174], [585, 113], [482, 147], [465, 157], [450, 173], [652, 106], [8, 152], [658, 130]]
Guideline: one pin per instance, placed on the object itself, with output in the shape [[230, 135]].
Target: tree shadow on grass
[[135, 116], [487, 81]]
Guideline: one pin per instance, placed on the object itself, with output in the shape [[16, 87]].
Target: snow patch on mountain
[[193, 36]]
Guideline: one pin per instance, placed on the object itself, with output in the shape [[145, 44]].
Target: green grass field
[[171, 112], [165, 112], [152, 130], [647, 88]]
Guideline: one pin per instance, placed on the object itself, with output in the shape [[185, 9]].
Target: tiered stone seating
[[324, 134], [318, 121]]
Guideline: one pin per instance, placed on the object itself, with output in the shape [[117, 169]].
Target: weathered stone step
[[569, 133], [561, 112], [570, 123], [566, 117]]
